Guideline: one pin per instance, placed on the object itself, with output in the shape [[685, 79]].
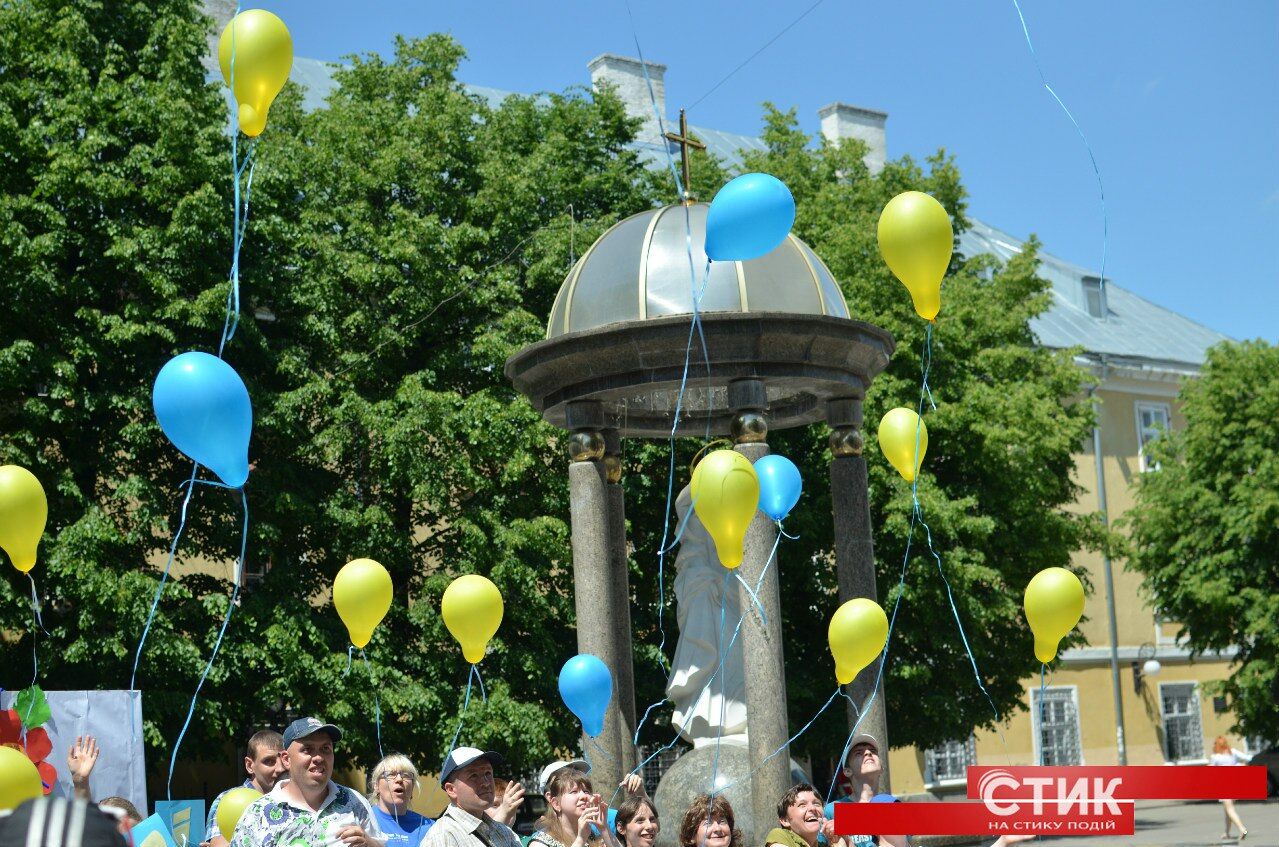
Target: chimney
[[840, 121], [626, 75]]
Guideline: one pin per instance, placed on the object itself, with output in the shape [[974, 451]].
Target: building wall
[[1087, 670]]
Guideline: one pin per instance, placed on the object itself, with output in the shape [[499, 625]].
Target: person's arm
[[81, 759], [509, 807]]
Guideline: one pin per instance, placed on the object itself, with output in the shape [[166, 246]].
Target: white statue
[[704, 713]]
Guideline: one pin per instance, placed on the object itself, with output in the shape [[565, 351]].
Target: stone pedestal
[[729, 771], [855, 552]]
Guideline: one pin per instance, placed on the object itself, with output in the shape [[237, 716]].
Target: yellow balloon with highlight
[[362, 594], [725, 493], [903, 439], [472, 611], [19, 779], [857, 634], [232, 806], [916, 240], [24, 510], [1054, 604], [263, 52]]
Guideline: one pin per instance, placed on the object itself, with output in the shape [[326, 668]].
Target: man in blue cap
[[467, 778], [307, 808]]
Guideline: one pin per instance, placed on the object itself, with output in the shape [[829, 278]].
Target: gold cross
[[685, 141]]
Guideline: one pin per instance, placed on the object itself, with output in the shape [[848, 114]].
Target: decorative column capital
[[748, 399], [845, 418], [585, 420]]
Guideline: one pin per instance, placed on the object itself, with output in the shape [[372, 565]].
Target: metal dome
[[639, 270]]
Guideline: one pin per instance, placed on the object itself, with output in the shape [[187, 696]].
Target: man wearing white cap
[[467, 778]]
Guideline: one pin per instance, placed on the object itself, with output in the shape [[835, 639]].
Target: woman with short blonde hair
[[392, 784]]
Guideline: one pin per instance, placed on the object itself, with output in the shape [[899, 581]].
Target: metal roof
[[1132, 328]]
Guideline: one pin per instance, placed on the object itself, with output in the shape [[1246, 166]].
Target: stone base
[[692, 775]]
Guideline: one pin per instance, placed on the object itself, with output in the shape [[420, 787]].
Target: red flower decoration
[[37, 748]]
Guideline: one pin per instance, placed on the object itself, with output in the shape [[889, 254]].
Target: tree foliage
[[404, 240], [1206, 524]]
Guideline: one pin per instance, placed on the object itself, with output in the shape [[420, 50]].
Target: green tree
[[996, 481], [403, 241], [1205, 525]]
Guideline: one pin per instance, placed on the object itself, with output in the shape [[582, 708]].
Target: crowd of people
[[301, 806]]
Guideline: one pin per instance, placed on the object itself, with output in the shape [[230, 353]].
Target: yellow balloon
[[916, 239], [472, 610], [903, 439], [725, 492], [857, 634], [233, 804], [19, 779], [23, 513], [362, 595], [263, 58], [1054, 604]]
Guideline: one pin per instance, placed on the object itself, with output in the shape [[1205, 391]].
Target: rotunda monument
[[784, 350]]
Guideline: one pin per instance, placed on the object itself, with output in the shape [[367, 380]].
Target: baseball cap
[[864, 738], [551, 769], [463, 756], [302, 727]]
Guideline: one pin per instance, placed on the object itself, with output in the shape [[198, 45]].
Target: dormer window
[[1094, 296]]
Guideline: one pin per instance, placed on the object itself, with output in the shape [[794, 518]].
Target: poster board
[[114, 718]]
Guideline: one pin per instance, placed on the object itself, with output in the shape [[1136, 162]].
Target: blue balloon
[[586, 687], [779, 485], [748, 218], [203, 407]]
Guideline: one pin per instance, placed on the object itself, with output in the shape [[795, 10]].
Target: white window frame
[[1202, 759], [1147, 406], [970, 747], [1036, 734]]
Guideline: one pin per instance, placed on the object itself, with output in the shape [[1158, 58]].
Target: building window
[[1094, 296], [1183, 732], [1153, 419], [1057, 734], [950, 761]]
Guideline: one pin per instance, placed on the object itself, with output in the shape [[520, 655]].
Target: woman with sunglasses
[[394, 781]]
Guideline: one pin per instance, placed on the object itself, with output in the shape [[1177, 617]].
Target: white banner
[[114, 718]]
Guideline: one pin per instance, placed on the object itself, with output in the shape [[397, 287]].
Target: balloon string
[[235, 597], [928, 534], [377, 704], [466, 701], [723, 654], [593, 743], [1043, 666], [657, 113], [350, 653], [1101, 189], [851, 702], [754, 597], [787, 743], [164, 577], [480, 679]]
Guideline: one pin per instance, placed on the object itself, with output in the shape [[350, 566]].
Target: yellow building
[[1133, 695]]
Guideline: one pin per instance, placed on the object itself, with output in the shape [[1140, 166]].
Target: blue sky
[[1178, 101]]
